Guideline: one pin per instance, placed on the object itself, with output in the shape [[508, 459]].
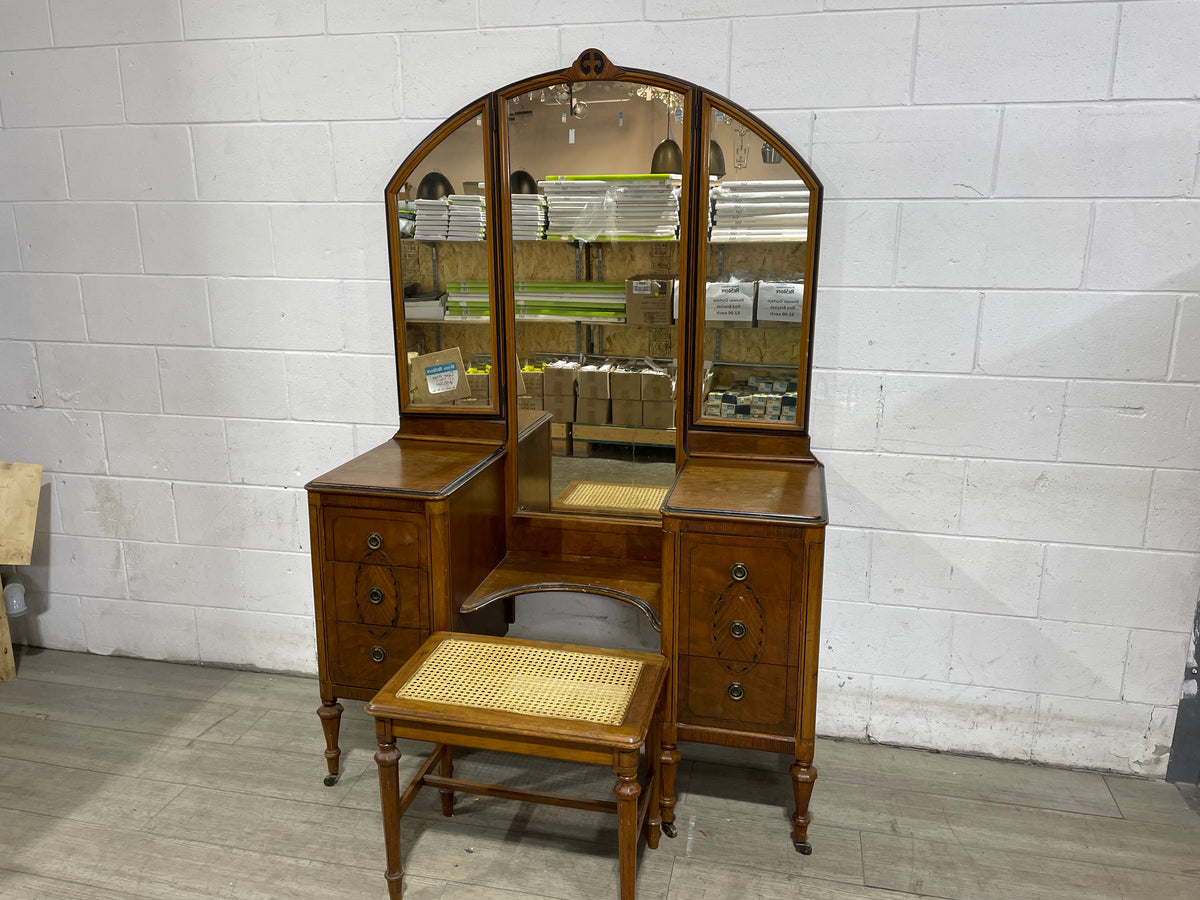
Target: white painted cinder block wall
[[194, 321]]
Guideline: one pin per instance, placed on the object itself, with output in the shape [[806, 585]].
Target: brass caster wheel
[[803, 847], [331, 780], [668, 828]]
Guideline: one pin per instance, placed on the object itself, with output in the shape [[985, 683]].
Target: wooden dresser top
[[782, 491], [409, 466]]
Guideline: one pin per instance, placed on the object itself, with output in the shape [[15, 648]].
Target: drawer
[[761, 699], [379, 595], [737, 600], [368, 655], [388, 539]]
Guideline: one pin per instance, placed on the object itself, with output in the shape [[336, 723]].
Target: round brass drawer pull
[[378, 654], [739, 572], [374, 540], [736, 691], [737, 629], [375, 595]]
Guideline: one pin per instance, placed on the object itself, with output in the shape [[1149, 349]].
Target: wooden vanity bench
[[559, 701]]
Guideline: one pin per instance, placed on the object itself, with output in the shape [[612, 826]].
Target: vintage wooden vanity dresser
[[603, 283]]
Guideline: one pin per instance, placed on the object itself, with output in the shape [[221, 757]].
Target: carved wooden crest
[[592, 65]]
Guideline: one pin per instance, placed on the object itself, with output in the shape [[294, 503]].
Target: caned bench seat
[[561, 701]]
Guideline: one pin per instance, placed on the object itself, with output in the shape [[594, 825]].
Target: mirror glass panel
[[595, 175], [443, 261], [755, 306]]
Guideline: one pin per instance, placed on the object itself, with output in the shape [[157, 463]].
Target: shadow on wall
[[990, 481]]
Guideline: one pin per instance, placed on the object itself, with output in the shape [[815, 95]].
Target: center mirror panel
[[595, 173]]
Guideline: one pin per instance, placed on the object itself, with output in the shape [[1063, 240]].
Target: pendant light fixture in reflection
[[521, 182], [716, 160], [434, 186], [770, 155], [668, 158]]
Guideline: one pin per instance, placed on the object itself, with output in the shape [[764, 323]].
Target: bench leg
[[387, 758], [627, 790], [447, 771]]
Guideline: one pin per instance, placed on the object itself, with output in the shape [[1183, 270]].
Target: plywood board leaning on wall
[[20, 486]]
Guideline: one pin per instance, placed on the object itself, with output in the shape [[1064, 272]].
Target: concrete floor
[[124, 779]]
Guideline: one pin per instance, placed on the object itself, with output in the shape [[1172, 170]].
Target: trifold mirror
[[628, 253]]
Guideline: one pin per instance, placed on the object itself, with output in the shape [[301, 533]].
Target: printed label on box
[[441, 378], [658, 414], [657, 386], [648, 310], [652, 288], [593, 410], [729, 302], [627, 412], [623, 385], [559, 378], [780, 301], [593, 381]]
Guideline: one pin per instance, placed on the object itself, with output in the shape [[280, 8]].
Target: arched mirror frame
[[447, 419], [719, 435], [592, 65], [696, 434]]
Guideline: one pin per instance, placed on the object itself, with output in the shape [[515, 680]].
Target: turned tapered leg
[[654, 767], [387, 758], [447, 770], [803, 776], [331, 723], [669, 760], [627, 790]]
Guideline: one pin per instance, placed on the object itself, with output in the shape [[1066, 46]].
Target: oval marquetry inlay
[[738, 627], [377, 594]]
